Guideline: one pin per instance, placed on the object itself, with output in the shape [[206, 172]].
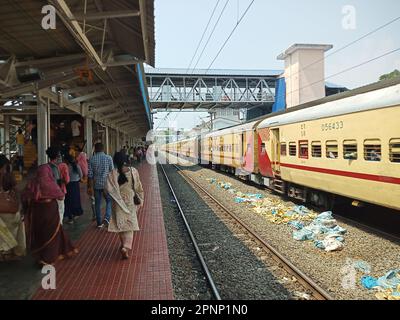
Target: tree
[[391, 75]]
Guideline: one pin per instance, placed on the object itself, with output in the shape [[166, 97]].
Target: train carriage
[[232, 149], [189, 149], [348, 147]]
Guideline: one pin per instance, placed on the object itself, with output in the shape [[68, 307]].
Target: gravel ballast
[[237, 272], [331, 270], [188, 280]]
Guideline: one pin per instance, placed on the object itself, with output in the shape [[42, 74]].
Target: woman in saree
[[46, 238], [12, 228], [82, 161], [73, 206], [123, 183]]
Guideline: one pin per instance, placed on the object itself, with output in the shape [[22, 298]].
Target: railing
[[10, 146]]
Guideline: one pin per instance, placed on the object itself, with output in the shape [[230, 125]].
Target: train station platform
[[98, 272]]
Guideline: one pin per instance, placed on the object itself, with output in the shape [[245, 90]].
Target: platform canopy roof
[[91, 63]]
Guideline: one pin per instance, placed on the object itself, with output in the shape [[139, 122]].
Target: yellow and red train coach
[[232, 148], [347, 145]]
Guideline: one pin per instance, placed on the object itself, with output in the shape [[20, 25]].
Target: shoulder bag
[[136, 199]]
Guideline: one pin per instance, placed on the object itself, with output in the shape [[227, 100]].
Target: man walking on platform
[[20, 138], [100, 165]]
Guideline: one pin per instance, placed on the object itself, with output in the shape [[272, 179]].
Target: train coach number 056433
[[332, 126]]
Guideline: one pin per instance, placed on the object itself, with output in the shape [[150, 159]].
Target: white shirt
[[75, 126]]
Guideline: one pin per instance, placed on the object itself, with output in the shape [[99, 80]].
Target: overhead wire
[[211, 34], [348, 45], [347, 69], [202, 37], [230, 35]]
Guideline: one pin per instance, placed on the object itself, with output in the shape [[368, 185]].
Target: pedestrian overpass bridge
[[205, 90]]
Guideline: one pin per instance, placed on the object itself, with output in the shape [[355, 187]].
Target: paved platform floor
[[98, 272]]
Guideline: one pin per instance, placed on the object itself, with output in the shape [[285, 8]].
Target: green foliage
[[391, 75]]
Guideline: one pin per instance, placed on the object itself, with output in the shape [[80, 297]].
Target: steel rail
[[196, 247], [318, 292]]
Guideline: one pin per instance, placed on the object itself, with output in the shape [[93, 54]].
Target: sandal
[[124, 253]]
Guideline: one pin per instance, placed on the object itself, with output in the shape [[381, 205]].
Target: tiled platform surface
[[98, 272]]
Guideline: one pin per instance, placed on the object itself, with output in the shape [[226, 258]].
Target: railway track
[[202, 261], [317, 292], [368, 227]]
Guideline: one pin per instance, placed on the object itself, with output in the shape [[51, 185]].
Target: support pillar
[[107, 141], [48, 106], [89, 136], [118, 146], [7, 145], [42, 130]]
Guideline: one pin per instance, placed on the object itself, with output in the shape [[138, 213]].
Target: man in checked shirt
[[100, 166]]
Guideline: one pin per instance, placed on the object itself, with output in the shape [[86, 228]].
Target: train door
[[222, 150], [243, 146], [210, 150], [276, 154], [198, 143]]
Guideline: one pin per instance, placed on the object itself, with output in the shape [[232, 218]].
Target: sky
[[268, 29]]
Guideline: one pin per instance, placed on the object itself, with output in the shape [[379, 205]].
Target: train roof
[[243, 127], [378, 95], [334, 102]]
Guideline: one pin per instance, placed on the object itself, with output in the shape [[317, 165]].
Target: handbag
[[8, 202], [136, 199]]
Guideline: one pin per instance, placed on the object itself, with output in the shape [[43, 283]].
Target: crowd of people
[[33, 221]]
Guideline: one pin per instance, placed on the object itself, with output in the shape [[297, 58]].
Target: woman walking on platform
[[46, 237], [12, 229], [73, 207], [82, 161], [124, 186]]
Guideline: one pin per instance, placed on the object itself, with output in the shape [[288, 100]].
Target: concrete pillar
[[118, 140], [48, 122], [304, 73], [107, 140], [42, 130], [89, 136], [7, 150]]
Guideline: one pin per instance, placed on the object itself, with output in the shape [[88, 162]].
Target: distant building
[[226, 117], [331, 89]]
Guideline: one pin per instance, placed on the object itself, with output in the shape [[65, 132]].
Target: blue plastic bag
[[303, 235], [390, 280], [369, 282], [296, 224]]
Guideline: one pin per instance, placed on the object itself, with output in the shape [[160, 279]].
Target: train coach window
[[283, 149], [303, 149], [316, 149], [394, 150], [292, 149], [350, 149], [372, 150], [332, 149]]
